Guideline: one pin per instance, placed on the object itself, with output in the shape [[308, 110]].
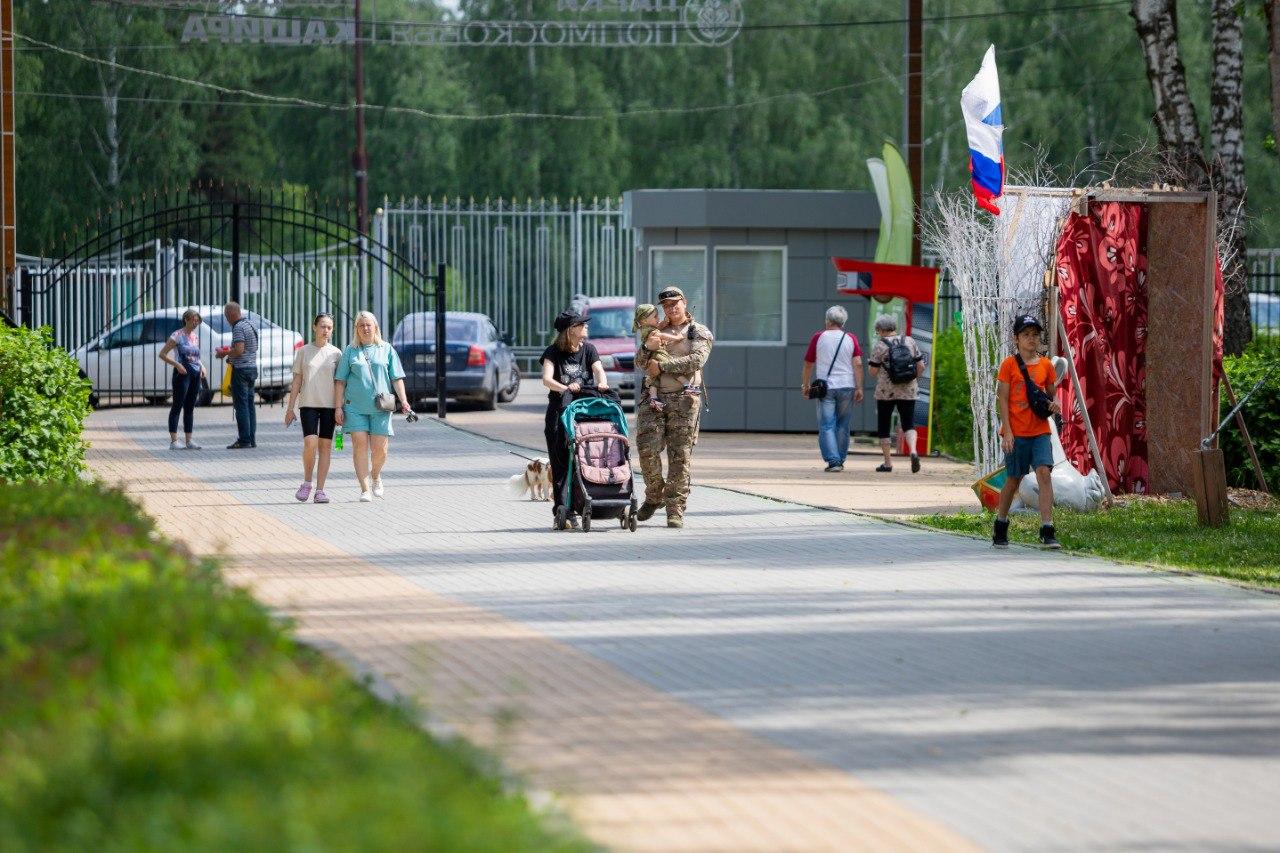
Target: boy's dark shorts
[[1028, 454]]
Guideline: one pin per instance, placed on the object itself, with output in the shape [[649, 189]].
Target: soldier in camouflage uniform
[[674, 427]]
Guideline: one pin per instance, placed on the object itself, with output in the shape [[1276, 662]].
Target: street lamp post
[[8, 158], [360, 159]]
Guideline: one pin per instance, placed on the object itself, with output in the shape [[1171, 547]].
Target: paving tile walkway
[[771, 677]]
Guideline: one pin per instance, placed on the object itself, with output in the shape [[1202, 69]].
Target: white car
[[123, 362]]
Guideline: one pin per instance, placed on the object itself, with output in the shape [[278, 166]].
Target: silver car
[[124, 361]]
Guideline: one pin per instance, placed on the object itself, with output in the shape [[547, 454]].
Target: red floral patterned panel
[[1102, 294]]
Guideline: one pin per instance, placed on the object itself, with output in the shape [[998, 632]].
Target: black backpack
[[901, 362]]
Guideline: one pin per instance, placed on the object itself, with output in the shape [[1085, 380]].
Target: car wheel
[[489, 401], [509, 393], [271, 396], [156, 401]]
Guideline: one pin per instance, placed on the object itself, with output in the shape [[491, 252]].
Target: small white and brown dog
[[535, 481]]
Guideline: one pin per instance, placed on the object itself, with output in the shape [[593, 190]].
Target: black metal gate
[[115, 292]]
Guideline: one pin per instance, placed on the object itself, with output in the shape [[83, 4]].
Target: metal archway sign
[[587, 23]]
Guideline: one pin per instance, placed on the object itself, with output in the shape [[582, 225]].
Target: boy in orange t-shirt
[[1024, 436]]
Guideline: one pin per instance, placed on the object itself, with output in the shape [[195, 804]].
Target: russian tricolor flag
[[980, 103]]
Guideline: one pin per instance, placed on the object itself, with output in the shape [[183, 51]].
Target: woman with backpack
[[896, 364]]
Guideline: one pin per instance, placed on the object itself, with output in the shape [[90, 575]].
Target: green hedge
[[148, 706], [1261, 414], [952, 410], [43, 404]]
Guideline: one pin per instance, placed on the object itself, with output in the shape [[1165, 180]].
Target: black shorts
[[884, 415], [317, 421]]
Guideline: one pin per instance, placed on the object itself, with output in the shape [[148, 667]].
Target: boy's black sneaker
[[1047, 539], [1000, 538]]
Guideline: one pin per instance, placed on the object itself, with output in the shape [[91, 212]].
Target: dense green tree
[[94, 135], [778, 107]]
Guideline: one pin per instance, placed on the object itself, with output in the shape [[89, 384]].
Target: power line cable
[[82, 96], [515, 114]]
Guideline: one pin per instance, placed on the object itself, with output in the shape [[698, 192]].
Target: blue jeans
[[835, 415], [242, 381]]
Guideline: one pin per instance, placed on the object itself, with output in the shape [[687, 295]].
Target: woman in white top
[[312, 389]]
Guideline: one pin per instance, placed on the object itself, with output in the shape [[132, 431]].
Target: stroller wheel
[[631, 522], [559, 519], [586, 521], [622, 520]]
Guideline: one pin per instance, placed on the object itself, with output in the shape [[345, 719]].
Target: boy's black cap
[[568, 319], [1024, 322]]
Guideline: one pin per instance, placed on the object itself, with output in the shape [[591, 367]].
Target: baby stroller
[[598, 483]]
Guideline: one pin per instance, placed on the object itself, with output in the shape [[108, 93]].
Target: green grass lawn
[[145, 705], [1159, 532]]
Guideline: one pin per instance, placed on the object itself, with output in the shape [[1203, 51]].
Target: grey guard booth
[[756, 387]]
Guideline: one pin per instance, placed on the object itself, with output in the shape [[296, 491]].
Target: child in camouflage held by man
[[645, 322]]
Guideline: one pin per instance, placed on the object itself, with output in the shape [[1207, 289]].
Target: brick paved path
[[770, 677]]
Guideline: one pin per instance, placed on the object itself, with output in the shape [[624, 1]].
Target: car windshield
[[609, 323], [216, 323], [422, 327]]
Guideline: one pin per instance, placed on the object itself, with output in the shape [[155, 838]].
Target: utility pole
[[914, 130], [8, 162], [360, 159]]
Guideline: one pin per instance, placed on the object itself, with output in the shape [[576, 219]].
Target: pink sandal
[[321, 497], [304, 492]]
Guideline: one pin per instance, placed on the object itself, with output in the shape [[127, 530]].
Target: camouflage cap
[[668, 293], [644, 309]]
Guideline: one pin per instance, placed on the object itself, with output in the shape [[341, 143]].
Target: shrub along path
[[772, 676], [145, 706]]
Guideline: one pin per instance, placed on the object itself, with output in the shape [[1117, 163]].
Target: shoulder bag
[[1037, 399], [818, 387], [383, 401]]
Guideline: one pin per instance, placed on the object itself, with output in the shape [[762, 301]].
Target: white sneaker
[[377, 487], [173, 445], [191, 445], [366, 497]]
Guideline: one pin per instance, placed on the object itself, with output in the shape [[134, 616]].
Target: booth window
[[751, 295], [682, 267]]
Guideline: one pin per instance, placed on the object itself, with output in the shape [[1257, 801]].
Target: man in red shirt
[[838, 358]]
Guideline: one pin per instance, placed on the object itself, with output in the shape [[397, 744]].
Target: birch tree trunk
[[1226, 110], [1181, 143], [1175, 115]]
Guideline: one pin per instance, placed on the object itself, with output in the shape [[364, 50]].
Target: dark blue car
[[480, 366]]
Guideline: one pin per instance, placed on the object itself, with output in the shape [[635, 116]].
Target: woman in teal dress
[[369, 367]]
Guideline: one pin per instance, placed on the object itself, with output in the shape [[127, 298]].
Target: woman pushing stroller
[[569, 365]]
